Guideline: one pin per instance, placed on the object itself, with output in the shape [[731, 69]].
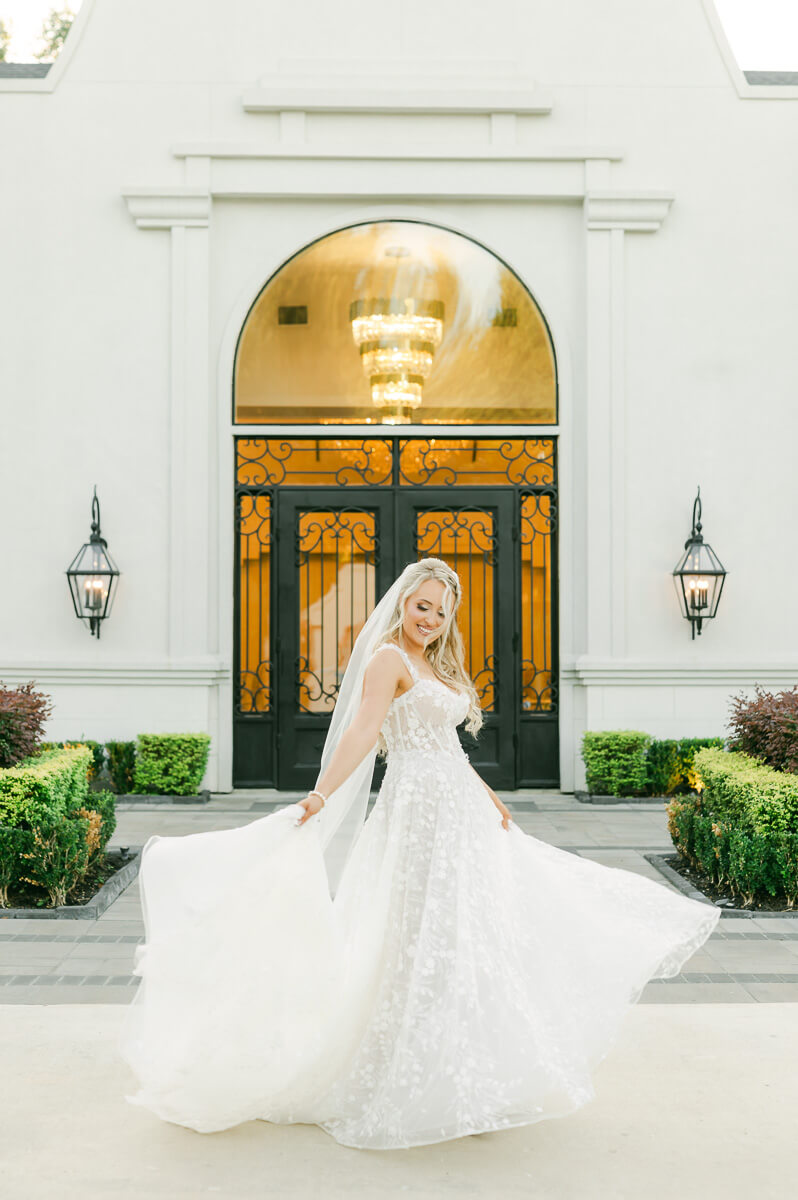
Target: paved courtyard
[[697, 1098], [746, 961]]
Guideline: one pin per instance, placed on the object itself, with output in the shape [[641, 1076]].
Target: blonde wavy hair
[[446, 652]]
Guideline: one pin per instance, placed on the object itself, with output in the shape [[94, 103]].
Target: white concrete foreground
[[695, 1101]]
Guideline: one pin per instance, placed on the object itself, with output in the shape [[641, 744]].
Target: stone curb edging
[[596, 798], [688, 889], [202, 797], [94, 907]]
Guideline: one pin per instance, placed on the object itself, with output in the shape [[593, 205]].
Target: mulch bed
[[721, 895], [25, 895]]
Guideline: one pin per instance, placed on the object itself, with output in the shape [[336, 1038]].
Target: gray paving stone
[[77, 958], [769, 992], [699, 993], [60, 994]]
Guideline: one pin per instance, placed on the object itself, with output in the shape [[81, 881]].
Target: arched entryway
[[425, 374]]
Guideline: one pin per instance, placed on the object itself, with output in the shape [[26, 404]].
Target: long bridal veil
[[344, 812], [248, 912]]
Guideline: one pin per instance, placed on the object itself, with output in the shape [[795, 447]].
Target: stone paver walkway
[[696, 1099], [747, 960]]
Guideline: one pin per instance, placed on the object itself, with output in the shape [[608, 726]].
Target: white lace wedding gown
[[464, 978]]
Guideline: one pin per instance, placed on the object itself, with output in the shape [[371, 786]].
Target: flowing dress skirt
[[464, 978]]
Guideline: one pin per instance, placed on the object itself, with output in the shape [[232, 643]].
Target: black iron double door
[[337, 552]]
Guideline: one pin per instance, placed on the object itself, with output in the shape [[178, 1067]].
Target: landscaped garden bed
[[741, 831], [101, 885], [625, 766], [153, 768], [698, 885], [732, 805], [56, 817]]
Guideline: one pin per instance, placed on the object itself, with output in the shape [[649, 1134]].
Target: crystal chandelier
[[397, 340]]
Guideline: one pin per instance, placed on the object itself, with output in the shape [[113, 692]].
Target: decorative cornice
[[635, 212], [378, 100], [292, 170], [186, 673], [393, 152], [163, 208], [606, 672]]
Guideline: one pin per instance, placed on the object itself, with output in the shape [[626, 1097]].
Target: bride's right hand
[[311, 805]]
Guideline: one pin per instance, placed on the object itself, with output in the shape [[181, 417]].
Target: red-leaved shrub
[[23, 716], [766, 727]]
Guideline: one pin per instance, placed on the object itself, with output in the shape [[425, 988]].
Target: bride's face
[[424, 618]]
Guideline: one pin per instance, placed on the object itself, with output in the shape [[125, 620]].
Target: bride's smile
[[424, 615]]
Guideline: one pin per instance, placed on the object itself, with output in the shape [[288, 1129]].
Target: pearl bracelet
[[320, 795]]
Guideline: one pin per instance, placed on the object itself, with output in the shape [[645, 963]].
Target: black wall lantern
[[698, 575], [92, 575]]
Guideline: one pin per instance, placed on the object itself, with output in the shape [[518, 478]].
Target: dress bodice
[[423, 719]]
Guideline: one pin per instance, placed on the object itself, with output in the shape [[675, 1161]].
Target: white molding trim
[[633, 211], [377, 100], [400, 173], [625, 672], [53, 77], [391, 153], [175, 672], [745, 90], [165, 208], [470, 433]]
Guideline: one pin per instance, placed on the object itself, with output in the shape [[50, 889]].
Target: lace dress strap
[[405, 657]]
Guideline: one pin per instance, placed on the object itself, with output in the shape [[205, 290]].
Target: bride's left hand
[[505, 812]]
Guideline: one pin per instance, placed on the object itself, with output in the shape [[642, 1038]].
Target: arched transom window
[[395, 322]]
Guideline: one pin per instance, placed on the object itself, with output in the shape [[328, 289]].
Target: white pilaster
[[596, 440], [609, 215], [184, 213]]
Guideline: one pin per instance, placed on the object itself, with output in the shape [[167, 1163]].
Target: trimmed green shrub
[[170, 763], [753, 796], [742, 828], [51, 828], [767, 727], [46, 787], [97, 753], [615, 760], [24, 713], [104, 804], [12, 843], [670, 764], [56, 856], [121, 765]]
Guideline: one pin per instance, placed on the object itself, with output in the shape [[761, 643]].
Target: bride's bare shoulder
[[389, 668]]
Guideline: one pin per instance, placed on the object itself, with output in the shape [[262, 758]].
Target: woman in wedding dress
[[462, 977]]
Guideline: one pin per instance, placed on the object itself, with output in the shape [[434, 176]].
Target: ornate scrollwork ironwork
[[486, 680], [255, 540], [358, 529], [315, 462], [468, 535], [475, 526], [346, 539], [538, 699], [538, 514], [450, 462], [538, 522], [464, 535]]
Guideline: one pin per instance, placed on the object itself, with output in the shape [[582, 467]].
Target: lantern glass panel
[[92, 577]]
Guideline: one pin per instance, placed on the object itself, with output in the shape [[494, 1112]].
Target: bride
[[424, 974]]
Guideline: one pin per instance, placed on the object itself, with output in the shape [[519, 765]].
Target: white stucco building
[[601, 205]]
